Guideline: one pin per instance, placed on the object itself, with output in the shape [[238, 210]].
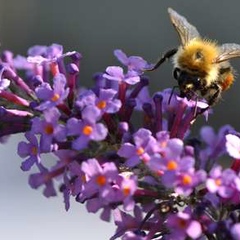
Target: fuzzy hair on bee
[[201, 66]]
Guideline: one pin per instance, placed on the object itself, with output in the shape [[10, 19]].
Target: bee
[[201, 66]]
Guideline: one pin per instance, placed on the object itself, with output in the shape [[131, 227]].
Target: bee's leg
[[214, 94], [165, 57]]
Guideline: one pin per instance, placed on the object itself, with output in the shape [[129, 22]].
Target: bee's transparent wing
[[228, 51], [185, 30]]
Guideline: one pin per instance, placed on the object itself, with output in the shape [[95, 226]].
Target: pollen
[[102, 104], [139, 151], [87, 130], [186, 179], [49, 129], [172, 165], [101, 180], [55, 97]]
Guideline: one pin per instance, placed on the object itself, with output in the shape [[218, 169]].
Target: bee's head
[[187, 82]]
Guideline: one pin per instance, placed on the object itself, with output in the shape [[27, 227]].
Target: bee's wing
[[185, 30], [228, 51]]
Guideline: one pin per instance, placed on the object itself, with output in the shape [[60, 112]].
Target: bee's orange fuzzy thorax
[[198, 55]]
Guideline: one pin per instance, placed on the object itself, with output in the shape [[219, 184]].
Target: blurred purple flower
[[181, 226], [134, 63], [106, 101], [233, 145], [116, 74], [235, 231], [224, 182], [126, 222]]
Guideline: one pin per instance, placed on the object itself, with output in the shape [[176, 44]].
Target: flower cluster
[[120, 150]]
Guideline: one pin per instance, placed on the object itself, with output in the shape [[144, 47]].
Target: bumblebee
[[201, 66]]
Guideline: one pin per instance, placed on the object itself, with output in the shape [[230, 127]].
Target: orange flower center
[[101, 104], [49, 129], [172, 165], [139, 151], [34, 150], [182, 223], [55, 97], [87, 130], [126, 191], [101, 180], [186, 180], [218, 182]]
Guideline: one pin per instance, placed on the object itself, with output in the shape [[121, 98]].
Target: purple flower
[[98, 190], [173, 167], [106, 101], [45, 177], [116, 74], [215, 143], [53, 51], [52, 96], [181, 226], [79, 178], [145, 145], [188, 181], [134, 63], [21, 63], [49, 128], [125, 222], [100, 178], [143, 97], [86, 129], [128, 186], [67, 162], [224, 182], [235, 231], [30, 150]]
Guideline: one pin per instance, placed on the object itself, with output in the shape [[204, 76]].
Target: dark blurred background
[[96, 28]]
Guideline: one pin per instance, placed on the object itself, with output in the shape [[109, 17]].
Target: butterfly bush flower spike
[[119, 149]]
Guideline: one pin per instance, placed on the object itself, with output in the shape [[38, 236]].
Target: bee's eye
[[176, 73], [197, 81]]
